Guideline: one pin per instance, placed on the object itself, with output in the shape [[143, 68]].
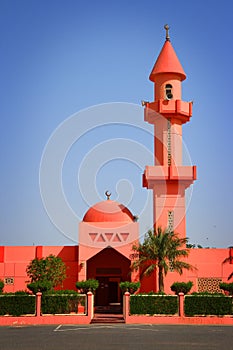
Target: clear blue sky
[[60, 57]]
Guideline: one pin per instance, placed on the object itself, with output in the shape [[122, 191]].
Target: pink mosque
[[108, 228]]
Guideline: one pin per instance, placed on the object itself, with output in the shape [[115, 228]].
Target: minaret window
[[168, 92], [169, 142], [170, 221], [170, 228]]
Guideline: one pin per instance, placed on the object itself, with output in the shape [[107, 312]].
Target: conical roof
[[167, 62]]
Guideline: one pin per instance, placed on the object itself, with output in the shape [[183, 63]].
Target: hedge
[[153, 304], [61, 303], [207, 305], [17, 305]]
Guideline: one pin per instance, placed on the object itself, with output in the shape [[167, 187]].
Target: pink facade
[[14, 261], [109, 229], [106, 235]]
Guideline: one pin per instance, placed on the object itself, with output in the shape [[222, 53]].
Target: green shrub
[[87, 286], [152, 293], [49, 269], [59, 303], [153, 304], [131, 287], [181, 287], [207, 293], [1, 286], [228, 287], [207, 305], [40, 286], [62, 292], [16, 304], [21, 292]]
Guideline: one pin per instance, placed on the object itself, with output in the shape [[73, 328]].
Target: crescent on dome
[[107, 194]]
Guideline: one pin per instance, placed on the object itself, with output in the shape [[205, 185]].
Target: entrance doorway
[[109, 267]]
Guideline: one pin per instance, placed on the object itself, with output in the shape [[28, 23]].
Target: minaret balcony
[[176, 109], [157, 173]]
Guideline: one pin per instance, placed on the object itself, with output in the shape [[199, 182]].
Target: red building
[[109, 229]]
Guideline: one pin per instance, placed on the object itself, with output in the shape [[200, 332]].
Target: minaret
[[168, 178]]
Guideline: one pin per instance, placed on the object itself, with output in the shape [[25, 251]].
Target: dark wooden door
[[101, 297], [113, 292]]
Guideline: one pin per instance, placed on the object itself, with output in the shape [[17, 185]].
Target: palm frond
[[159, 248]]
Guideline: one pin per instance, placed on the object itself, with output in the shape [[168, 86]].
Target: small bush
[[153, 304], [131, 287], [228, 287], [21, 292], [40, 286], [1, 286], [181, 287], [87, 286]]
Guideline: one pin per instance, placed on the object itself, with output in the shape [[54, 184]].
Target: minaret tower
[[168, 178]]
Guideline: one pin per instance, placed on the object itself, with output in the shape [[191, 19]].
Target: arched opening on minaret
[[168, 92]]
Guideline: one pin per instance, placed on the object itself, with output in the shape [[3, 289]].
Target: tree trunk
[[161, 284]]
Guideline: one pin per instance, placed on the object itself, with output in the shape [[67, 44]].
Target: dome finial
[[108, 195], [166, 27]]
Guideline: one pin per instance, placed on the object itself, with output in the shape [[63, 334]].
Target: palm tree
[[162, 250], [228, 260]]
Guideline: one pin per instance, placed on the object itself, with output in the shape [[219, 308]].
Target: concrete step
[[107, 318]]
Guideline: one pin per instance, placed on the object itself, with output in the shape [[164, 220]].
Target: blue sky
[[62, 57]]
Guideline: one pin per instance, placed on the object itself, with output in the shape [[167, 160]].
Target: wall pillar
[[181, 304], [38, 304], [90, 305], [126, 300]]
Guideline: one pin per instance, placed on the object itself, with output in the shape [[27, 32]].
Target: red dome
[[108, 211]]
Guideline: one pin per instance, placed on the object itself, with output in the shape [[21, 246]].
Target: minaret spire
[[166, 27]]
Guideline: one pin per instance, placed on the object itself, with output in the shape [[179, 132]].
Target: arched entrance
[[109, 267]]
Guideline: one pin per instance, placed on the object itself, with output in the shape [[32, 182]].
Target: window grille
[[9, 280], [169, 142], [170, 227], [170, 221], [209, 284]]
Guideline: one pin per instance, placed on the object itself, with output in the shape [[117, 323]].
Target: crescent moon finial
[[166, 27], [107, 194]]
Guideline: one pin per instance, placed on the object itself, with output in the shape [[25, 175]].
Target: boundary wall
[[179, 319], [51, 319]]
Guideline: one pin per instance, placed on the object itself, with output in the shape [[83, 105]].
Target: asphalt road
[[111, 337]]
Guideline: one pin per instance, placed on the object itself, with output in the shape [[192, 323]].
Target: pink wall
[[15, 259], [209, 264]]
